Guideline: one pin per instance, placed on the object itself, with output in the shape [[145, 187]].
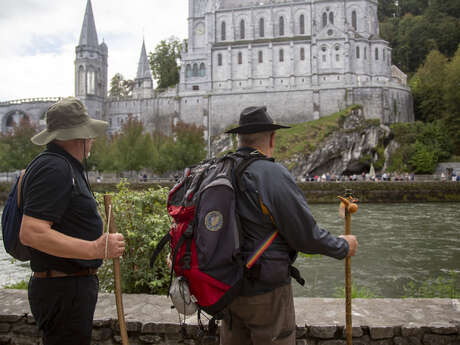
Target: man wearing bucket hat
[[63, 228], [270, 200]]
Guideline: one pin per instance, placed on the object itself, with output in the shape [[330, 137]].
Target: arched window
[[357, 52], [188, 71], [354, 22], [302, 53], [202, 70], [365, 53], [222, 31], [331, 17], [281, 26], [219, 59], [81, 81], [281, 55], [324, 19], [195, 70], [261, 27], [242, 29], [376, 53], [240, 58], [261, 56], [302, 24], [91, 81]]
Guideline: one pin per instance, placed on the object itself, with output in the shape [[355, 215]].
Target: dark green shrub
[[142, 218]]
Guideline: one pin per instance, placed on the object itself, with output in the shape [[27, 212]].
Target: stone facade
[[320, 321], [302, 58]]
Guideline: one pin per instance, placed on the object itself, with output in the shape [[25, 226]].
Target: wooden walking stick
[[347, 207], [112, 228]]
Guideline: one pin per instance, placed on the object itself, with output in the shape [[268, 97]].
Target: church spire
[[143, 68], [88, 36]]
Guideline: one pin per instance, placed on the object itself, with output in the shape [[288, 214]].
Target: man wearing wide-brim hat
[[62, 226], [271, 201]]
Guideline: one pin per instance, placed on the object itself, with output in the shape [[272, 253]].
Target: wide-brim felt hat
[[68, 119], [255, 120]]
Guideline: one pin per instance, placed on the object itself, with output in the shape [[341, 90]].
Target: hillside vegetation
[[304, 138]]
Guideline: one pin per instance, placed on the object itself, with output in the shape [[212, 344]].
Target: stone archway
[[13, 119]]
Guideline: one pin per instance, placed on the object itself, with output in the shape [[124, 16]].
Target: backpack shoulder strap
[[243, 161], [45, 153], [21, 175]]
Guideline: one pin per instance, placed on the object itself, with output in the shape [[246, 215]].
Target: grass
[[438, 287], [357, 291], [22, 285], [303, 138]]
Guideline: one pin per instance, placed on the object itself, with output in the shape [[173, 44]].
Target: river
[[398, 243]]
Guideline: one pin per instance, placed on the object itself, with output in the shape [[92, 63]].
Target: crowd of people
[[328, 177]]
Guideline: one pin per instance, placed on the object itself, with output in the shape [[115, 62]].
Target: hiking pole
[[112, 228], [347, 207]]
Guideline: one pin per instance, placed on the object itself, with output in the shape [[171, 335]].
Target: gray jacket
[[272, 184]]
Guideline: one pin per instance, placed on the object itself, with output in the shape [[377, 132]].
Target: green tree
[[132, 147], [4, 149], [185, 148], [452, 100], [20, 149], [428, 87], [164, 62], [102, 155], [386, 9], [119, 87], [424, 159], [422, 146], [413, 42]]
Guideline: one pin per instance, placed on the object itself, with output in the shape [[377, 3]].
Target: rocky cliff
[[349, 148]]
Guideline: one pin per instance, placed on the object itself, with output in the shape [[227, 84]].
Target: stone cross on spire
[[88, 36], [143, 68]]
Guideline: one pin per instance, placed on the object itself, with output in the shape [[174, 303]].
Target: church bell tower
[[91, 67]]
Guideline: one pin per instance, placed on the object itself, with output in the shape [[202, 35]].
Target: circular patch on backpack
[[214, 221]]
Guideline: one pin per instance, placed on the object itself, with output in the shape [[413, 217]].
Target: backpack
[[205, 235], [13, 211]]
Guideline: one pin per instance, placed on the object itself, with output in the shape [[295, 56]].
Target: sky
[[38, 40]]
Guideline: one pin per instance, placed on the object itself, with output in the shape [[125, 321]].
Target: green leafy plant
[[357, 291], [439, 287], [22, 285], [142, 218]]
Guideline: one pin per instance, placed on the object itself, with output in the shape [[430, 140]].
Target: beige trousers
[[261, 320]]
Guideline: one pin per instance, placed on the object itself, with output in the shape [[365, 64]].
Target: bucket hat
[[254, 120], [68, 119]]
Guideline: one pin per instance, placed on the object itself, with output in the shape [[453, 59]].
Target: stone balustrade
[[31, 100], [320, 321]]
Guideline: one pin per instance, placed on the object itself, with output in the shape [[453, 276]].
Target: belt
[[58, 274]]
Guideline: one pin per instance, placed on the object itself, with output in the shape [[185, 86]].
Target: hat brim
[[256, 128], [91, 129]]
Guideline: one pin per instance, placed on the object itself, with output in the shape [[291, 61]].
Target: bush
[[142, 218], [422, 146]]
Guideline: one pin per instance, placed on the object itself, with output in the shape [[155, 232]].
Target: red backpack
[[205, 232]]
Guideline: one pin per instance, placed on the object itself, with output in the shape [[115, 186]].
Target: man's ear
[[272, 139]]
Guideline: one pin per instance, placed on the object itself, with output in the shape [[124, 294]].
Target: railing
[[31, 100]]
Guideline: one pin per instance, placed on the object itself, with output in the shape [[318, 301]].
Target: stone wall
[[320, 321], [297, 105]]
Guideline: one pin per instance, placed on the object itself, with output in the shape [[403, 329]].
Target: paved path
[[379, 312]]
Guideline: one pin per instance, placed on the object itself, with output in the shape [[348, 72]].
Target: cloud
[[39, 37]]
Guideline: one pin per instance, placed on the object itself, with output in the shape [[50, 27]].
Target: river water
[[398, 243]]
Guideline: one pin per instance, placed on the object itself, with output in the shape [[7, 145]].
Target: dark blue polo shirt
[[49, 194]]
